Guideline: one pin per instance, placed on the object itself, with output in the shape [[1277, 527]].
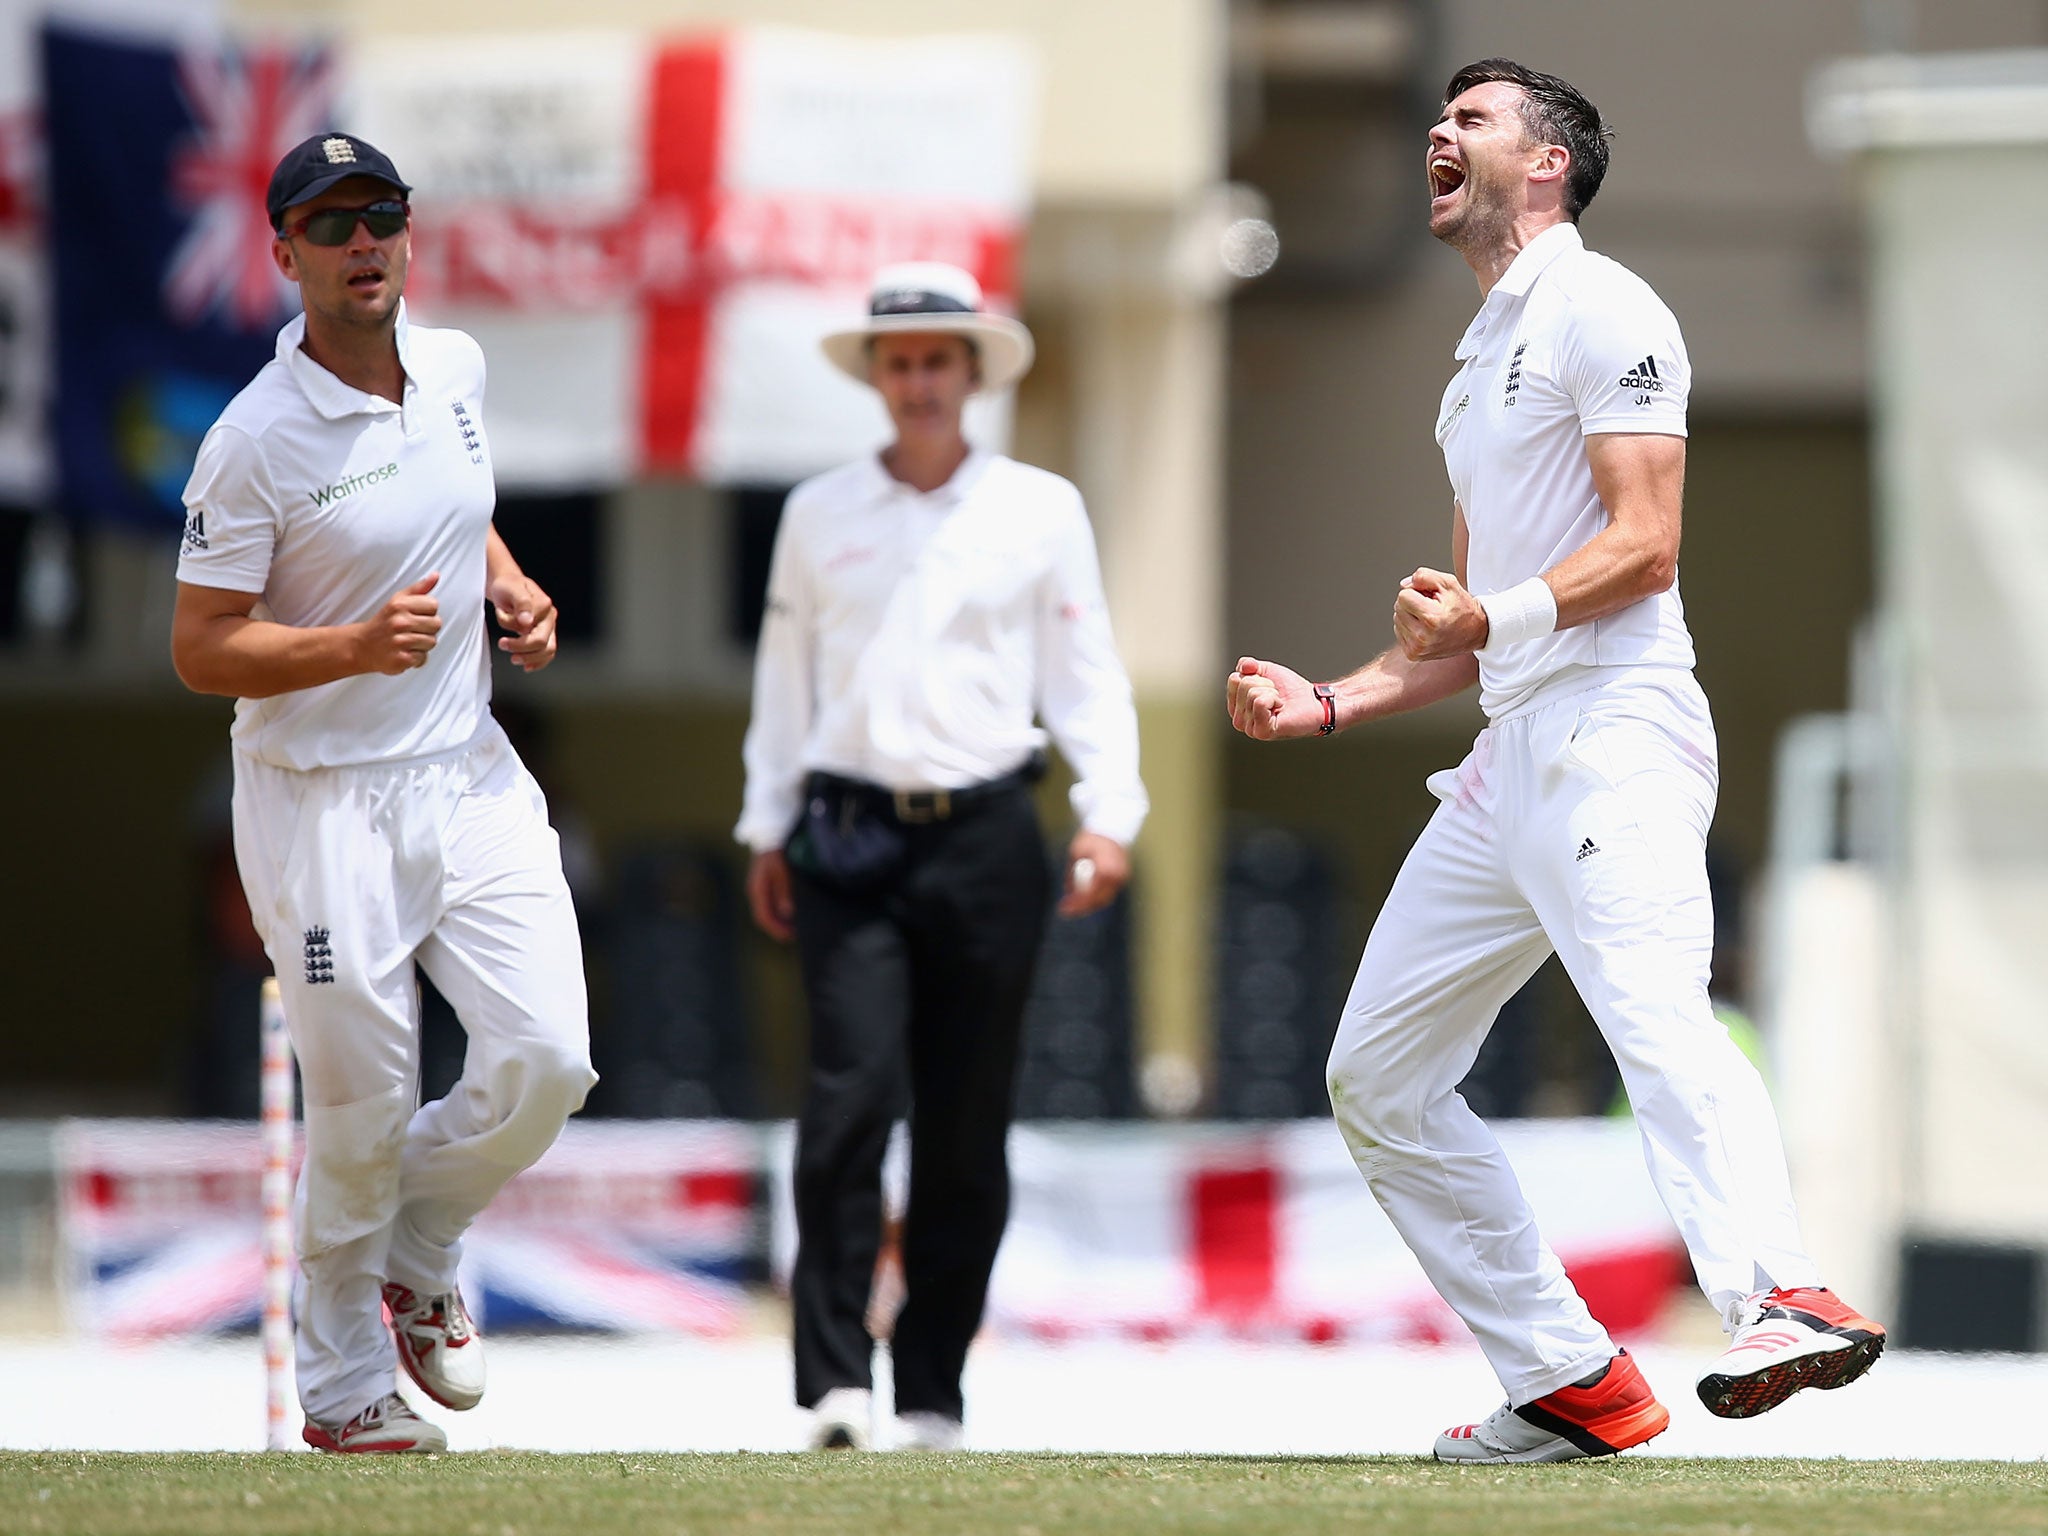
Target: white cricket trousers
[[353, 875], [1579, 826]]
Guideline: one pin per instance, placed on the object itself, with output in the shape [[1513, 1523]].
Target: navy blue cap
[[318, 164]]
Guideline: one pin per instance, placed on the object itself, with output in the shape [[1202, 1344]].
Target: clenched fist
[[1269, 703], [405, 629], [1435, 617]]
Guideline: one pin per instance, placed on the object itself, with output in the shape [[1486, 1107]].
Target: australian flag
[[167, 301]]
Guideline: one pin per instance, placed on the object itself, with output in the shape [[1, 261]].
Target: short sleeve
[[1625, 366], [230, 514]]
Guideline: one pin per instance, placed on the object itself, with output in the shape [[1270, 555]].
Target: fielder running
[[1578, 823], [337, 557]]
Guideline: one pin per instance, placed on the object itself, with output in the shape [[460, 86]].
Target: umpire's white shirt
[[327, 501], [911, 637], [1568, 344]]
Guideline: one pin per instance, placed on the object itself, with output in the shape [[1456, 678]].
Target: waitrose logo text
[[327, 495]]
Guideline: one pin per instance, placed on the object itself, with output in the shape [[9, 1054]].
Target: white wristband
[[1526, 611]]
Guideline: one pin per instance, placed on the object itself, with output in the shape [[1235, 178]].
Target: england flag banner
[[649, 236]]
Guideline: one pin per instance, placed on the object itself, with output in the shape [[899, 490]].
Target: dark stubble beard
[[1483, 224]]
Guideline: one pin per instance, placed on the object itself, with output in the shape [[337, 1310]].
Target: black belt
[[912, 807]]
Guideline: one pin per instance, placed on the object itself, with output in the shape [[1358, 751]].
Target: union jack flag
[[624, 1227], [248, 106]]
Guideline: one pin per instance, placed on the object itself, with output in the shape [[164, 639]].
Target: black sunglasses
[[333, 226]]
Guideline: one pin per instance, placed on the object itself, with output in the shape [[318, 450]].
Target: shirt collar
[[882, 484], [1530, 263], [329, 395]]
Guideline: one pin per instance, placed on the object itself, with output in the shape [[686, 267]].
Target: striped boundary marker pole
[[277, 1220]]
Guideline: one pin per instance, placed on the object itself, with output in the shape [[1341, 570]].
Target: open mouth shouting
[[1446, 178]]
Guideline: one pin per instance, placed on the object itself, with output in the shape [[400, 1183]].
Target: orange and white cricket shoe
[[438, 1345], [387, 1427], [1784, 1341], [1614, 1413]]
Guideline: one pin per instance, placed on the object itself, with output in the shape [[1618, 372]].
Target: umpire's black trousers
[[916, 988]]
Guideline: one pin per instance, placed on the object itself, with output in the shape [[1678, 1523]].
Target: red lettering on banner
[[502, 257], [1231, 1221]]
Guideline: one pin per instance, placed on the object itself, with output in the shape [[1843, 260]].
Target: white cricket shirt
[[328, 501], [1568, 344], [910, 639]]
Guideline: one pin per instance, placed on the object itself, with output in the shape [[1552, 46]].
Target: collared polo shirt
[[1568, 344], [327, 502], [910, 639]]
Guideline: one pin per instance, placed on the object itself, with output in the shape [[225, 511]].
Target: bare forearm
[[1391, 684], [498, 561], [246, 658], [1615, 569]]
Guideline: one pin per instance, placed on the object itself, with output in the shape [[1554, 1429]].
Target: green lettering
[[348, 485]]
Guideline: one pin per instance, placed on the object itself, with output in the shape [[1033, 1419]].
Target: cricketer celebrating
[[1577, 824], [337, 557]]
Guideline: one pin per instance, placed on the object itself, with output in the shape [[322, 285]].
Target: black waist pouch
[[845, 839]]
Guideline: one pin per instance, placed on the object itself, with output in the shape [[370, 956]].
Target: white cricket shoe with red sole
[[388, 1427], [1614, 1413], [438, 1345], [1784, 1342]]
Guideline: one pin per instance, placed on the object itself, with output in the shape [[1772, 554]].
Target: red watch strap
[[1328, 696]]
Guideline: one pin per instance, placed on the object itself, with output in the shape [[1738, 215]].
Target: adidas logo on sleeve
[[1643, 376]]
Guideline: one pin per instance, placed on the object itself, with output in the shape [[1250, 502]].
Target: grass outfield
[[506, 1493]]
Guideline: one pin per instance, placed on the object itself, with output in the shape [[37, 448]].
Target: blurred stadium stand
[[1077, 1061], [678, 1040], [2007, 1289], [1281, 976]]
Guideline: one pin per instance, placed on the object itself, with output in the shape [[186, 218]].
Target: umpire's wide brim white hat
[[932, 296]]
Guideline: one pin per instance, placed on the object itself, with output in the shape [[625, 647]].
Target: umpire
[[924, 605]]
